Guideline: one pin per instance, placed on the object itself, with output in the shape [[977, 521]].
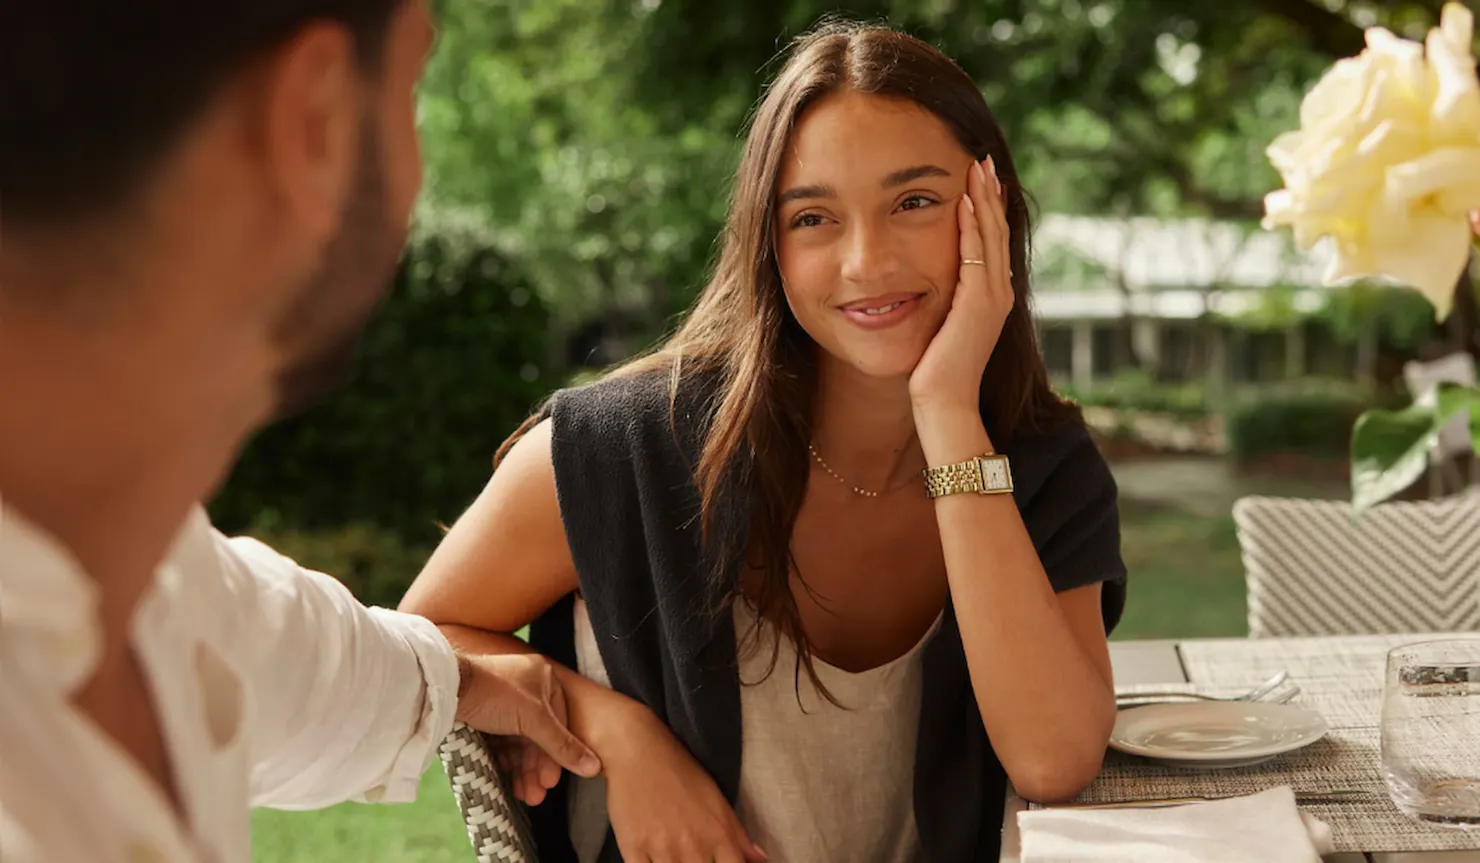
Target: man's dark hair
[[95, 93]]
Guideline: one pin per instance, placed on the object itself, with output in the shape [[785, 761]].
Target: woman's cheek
[[936, 252], [805, 274]]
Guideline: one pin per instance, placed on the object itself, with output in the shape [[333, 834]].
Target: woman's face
[[866, 232]]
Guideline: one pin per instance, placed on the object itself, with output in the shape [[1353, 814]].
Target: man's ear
[[311, 112]]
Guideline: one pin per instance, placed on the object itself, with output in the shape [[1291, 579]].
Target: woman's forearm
[[1047, 705], [595, 712]]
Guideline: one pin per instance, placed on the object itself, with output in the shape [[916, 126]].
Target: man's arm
[[350, 703]]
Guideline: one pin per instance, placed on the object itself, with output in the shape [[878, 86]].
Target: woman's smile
[[881, 312]]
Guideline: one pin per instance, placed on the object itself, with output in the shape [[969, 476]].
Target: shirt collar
[[48, 605]]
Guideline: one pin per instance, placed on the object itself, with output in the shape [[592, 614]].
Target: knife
[[1339, 795]]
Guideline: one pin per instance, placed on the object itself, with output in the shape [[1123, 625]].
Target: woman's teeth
[[883, 309]]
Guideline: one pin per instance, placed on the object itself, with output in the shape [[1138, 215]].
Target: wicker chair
[[1314, 569], [496, 821]]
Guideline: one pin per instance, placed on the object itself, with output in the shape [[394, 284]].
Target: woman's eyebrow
[[800, 193], [898, 178]]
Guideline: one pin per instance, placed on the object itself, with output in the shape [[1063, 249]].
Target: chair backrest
[[1312, 568], [496, 822]]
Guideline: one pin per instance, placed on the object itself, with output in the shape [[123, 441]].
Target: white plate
[[1212, 734]]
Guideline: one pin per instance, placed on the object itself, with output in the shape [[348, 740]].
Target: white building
[[1171, 290]]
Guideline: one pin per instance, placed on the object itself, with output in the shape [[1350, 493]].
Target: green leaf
[[1454, 398], [1390, 449]]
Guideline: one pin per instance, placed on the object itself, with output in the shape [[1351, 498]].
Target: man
[[200, 204]]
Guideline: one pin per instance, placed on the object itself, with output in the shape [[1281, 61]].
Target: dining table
[[1340, 677]]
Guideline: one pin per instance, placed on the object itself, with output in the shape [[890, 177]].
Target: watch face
[[994, 474]]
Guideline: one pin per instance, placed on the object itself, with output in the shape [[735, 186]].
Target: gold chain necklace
[[834, 474]]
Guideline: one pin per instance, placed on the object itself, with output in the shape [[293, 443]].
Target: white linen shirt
[[273, 686]]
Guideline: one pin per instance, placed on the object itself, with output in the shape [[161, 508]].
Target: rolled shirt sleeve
[[345, 702]]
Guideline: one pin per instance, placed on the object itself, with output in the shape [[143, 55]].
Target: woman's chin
[[888, 366]]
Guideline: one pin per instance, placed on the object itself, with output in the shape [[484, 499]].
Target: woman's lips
[[876, 313]]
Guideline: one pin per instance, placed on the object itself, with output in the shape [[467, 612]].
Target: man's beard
[[321, 330]]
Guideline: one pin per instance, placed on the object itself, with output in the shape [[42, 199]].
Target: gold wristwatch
[[986, 474]]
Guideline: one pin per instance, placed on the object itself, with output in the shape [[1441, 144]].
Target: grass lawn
[[427, 831], [1185, 580]]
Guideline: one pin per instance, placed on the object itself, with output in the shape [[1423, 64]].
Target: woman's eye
[[916, 202], [806, 220]]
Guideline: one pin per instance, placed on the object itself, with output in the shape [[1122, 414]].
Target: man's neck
[[865, 427]]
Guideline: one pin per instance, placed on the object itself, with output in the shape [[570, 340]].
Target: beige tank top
[[818, 782]]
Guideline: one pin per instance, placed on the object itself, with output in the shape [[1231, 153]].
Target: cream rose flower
[[1386, 161]]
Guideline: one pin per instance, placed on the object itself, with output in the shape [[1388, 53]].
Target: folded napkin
[[1265, 827]]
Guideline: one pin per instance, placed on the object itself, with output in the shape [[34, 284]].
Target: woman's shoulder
[[1061, 455], [637, 407]]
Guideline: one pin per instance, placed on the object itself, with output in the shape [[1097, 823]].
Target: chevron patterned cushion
[[1314, 569], [496, 822]]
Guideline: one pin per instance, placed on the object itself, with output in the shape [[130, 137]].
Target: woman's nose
[[868, 254]]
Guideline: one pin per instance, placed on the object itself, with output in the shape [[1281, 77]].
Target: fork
[[1254, 694]]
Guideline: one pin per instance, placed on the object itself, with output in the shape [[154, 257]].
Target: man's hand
[[518, 695]]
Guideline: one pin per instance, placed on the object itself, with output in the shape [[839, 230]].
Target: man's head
[[224, 183]]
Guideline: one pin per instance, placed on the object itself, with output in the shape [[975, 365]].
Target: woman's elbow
[[1057, 771], [1055, 780]]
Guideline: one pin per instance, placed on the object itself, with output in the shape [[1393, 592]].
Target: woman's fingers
[[984, 235], [974, 266], [534, 790], [995, 233], [753, 852]]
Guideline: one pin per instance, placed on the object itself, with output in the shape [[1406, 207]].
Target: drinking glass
[[1431, 731]]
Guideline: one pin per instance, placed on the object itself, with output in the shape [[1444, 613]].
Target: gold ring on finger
[[966, 261]]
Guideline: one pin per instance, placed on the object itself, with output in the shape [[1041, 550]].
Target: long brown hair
[[741, 333]]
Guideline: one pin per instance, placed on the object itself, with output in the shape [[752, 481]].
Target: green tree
[[597, 136]]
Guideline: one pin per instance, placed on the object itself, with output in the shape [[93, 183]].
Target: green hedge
[[1140, 392], [453, 362], [1313, 419], [376, 564]]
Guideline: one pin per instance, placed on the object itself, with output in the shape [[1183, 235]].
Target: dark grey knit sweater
[[630, 508]]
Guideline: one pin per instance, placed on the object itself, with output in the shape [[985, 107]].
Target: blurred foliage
[[1400, 318], [578, 153], [1403, 318], [1311, 417], [597, 137], [1139, 391], [376, 564], [454, 361], [1278, 309]]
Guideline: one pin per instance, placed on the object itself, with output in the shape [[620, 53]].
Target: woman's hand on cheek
[[949, 374], [664, 807]]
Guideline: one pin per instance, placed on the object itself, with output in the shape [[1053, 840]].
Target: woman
[[804, 649]]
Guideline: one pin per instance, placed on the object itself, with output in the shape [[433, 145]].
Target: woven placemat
[[1341, 678]]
